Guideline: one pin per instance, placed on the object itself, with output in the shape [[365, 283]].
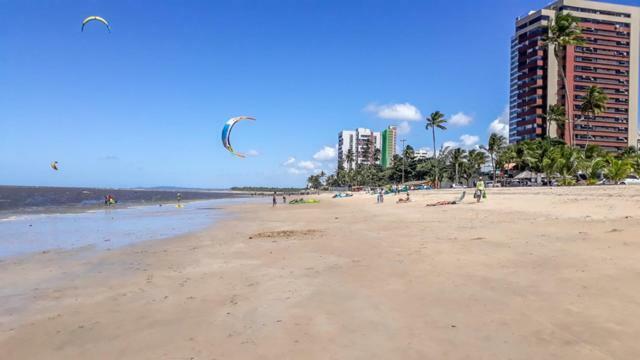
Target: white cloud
[[299, 167], [296, 171], [466, 141], [306, 164], [403, 128], [501, 124], [461, 119], [289, 161], [450, 144], [326, 153], [253, 153], [469, 140], [403, 111]]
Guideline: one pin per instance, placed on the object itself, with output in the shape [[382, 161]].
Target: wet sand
[[530, 274]]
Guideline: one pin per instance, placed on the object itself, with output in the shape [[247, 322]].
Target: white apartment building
[[358, 140], [420, 154]]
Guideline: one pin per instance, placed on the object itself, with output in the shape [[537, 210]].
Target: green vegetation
[[551, 158]]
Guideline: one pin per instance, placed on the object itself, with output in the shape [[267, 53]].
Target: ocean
[[35, 199], [36, 219]]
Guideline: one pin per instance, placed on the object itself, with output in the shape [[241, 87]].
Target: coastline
[[106, 228], [530, 273]]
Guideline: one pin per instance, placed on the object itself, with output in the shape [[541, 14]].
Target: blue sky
[[144, 105]]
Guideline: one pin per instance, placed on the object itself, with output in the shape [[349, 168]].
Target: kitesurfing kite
[[96, 18], [226, 133], [54, 165]]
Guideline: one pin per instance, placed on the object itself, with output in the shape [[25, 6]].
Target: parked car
[[631, 180]]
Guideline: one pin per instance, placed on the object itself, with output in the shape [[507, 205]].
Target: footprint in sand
[[234, 300]]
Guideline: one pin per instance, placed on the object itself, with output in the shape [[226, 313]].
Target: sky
[[145, 104]]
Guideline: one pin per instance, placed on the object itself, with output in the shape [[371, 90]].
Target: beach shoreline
[[530, 273]]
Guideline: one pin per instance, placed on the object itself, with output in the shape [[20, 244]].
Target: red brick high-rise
[[608, 59]]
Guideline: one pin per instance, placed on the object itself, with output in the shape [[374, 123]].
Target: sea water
[[106, 228]]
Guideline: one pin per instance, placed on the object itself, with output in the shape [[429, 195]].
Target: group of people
[[380, 196], [275, 200], [109, 200]]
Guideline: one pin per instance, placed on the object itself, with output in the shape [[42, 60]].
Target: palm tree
[[458, 156], [506, 158], [494, 147], [617, 170], [436, 120], [629, 152], [376, 156], [593, 103], [548, 164], [476, 159], [555, 114], [564, 31], [567, 163], [349, 158], [593, 169]]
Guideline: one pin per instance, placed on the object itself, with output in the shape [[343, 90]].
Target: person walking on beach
[[480, 190], [179, 197], [274, 199], [381, 195], [284, 199]]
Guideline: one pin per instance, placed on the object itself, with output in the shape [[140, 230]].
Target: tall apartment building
[[388, 146], [608, 59], [362, 142]]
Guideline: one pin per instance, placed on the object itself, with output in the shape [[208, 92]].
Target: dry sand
[[529, 274]]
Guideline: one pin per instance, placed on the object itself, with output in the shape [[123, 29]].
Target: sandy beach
[[532, 273]]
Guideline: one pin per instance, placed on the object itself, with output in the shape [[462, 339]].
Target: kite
[[96, 18], [54, 165], [226, 133]]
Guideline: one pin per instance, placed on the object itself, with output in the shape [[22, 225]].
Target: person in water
[[274, 199]]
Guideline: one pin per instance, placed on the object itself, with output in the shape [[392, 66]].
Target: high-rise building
[[421, 154], [362, 142], [388, 146], [608, 59]]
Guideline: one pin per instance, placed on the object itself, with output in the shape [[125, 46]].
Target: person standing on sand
[[480, 190], [284, 199], [274, 199], [381, 195]]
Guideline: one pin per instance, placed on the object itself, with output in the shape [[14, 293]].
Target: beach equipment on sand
[[54, 165], [454, 202], [342, 195], [303, 201], [226, 133], [95, 18]]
